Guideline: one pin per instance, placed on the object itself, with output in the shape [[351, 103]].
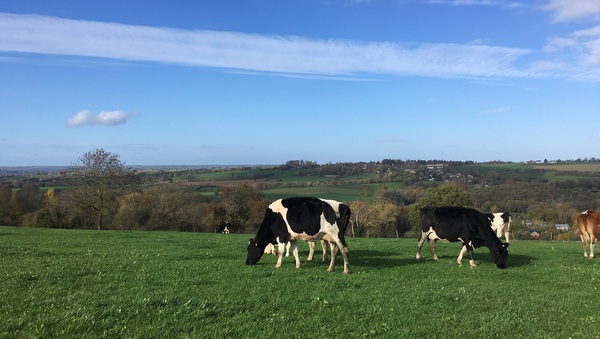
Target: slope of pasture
[[342, 192], [294, 182], [571, 171], [107, 284]]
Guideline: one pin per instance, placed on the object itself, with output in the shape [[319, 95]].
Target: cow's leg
[[499, 233], [339, 247], [287, 248], [469, 248], [324, 245], [334, 252], [311, 250], [584, 242], [507, 236], [592, 245], [280, 250], [420, 244], [463, 249], [294, 246], [432, 248]]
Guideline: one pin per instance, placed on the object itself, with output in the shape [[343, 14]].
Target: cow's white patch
[[499, 226], [277, 207], [431, 234]]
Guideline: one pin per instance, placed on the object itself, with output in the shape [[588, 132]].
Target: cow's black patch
[[304, 214]]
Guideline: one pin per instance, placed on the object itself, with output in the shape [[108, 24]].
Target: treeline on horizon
[[100, 192]]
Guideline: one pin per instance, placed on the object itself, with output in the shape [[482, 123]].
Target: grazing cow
[[453, 224], [224, 228], [588, 224], [302, 218], [501, 224]]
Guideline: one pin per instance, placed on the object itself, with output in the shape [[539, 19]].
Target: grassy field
[[578, 167], [115, 284]]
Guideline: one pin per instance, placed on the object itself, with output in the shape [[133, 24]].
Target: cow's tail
[[345, 220]]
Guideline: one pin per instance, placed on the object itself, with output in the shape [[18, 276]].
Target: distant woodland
[[100, 192]]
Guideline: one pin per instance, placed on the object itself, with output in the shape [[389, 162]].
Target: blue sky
[[263, 82]]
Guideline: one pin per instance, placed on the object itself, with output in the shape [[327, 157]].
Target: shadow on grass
[[381, 259], [514, 260]]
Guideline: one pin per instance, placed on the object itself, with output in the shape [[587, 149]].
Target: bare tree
[[362, 217], [96, 182], [243, 206]]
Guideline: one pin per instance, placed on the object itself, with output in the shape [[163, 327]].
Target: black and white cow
[[302, 218], [501, 224], [224, 228], [453, 224]]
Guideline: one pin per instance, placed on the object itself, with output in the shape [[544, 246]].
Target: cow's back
[[450, 222], [588, 222]]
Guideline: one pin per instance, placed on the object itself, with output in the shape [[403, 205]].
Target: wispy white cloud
[[252, 52], [576, 54], [569, 10], [590, 32], [110, 118]]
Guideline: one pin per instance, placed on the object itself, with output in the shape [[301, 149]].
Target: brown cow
[[588, 224]]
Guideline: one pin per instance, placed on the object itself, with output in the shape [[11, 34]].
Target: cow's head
[[499, 254], [255, 252]]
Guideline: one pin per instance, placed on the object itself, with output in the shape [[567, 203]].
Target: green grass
[[340, 193], [346, 193], [111, 284]]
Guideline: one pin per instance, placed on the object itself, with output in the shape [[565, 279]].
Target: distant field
[[579, 167], [347, 193], [116, 284], [293, 181]]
